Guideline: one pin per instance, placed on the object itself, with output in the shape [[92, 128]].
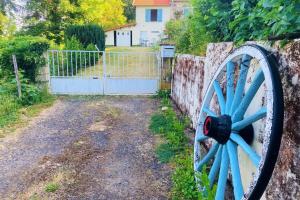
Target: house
[[149, 26]]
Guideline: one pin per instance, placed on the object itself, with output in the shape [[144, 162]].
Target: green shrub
[[234, 20], [52, 187], [8, 108], [171, 128], [29, 52], [73, 44], [10, 104], [263, 19], [183, 179], [163, 94], [178, 151], [87, 34], [184, 184]]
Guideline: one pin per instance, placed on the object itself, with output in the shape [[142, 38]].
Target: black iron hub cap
[[219, 128]]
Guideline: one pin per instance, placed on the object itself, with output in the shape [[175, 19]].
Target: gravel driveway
[[91, 147]]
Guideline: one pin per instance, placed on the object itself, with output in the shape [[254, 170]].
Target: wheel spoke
[[230, 86], [209, 112], [235, 170], [201, 137], [249, 120], [215, 167], [220, 96], [241, 82], [241, 109], [222, 176], [211, 153], [248, 150]]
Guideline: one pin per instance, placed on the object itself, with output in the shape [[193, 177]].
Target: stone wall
[[192, 75], [188, 77], [43, 74]]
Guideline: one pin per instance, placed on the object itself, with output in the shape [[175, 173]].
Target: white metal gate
[[99, 72]]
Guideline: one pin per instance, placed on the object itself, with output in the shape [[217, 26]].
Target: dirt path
[[92, 147]]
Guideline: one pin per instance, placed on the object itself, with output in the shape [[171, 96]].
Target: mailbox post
[[167, 53]]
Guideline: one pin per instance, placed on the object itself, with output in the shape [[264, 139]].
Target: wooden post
[[17, 75]]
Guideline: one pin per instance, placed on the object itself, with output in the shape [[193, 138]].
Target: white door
[[144, 38], [123, 38]]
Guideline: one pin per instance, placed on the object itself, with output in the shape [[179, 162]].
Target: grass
[[123, 62], [177, 151], [51, 187], [14, 115]]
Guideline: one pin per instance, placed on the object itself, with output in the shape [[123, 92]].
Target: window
[[186, 11], [153, 15]]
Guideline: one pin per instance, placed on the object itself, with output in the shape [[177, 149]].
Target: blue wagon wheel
[[240, 124]]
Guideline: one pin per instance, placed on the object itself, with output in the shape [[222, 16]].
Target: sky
[[20, 13]]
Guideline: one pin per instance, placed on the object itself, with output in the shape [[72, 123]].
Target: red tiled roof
[[151, 2]]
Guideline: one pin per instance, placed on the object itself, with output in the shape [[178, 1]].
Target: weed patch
[[177, 151], [13, 111], [51, 187]]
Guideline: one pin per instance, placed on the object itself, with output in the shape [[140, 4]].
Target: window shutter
[[148, 15], [159, 15], [186, 12]]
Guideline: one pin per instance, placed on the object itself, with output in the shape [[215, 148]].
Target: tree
[[6, 4], [7, 26], [49, 18], [107, 13], [129, 10]]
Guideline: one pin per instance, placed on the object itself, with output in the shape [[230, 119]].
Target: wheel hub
[[218, 128]]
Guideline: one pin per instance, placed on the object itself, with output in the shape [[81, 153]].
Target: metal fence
[[109, 72], [72, 63]]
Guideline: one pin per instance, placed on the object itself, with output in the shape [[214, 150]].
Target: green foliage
[[31, 94], [87, 34], [7, 26], [177, 150], [165, 152], [177, 30], [29, 53], [10, 104], [204, 184], [183, 179], [52, 187], [262, 19], [171, 128], [129, 10], [50, 18], [163, 94], [184, 184], [8, 109], [233, 20], [73, 44]]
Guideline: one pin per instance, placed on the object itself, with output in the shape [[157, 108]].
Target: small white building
[[149, 26]]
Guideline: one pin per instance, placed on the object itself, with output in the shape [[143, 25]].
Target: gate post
[[104, 71]]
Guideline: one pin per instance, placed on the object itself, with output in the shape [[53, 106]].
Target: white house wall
[[154, 30], [109, 40]]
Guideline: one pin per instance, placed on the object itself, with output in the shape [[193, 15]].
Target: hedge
[[87, 34], [29, 52]]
